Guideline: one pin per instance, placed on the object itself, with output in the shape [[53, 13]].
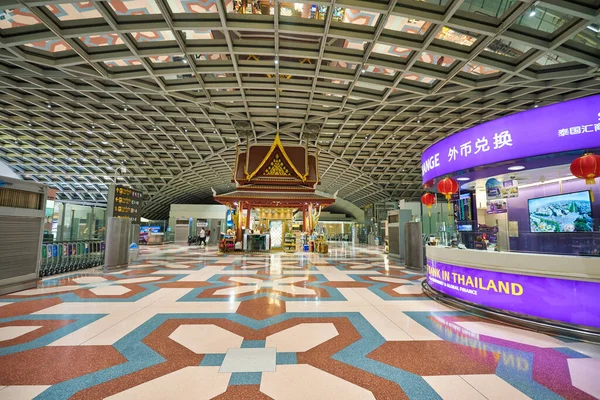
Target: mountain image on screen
[[570, 212]]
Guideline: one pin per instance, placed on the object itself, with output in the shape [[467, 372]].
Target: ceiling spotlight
[[532, 12], [418, 120], [93, 126], [185, 61], [362, 71], [104, 142], [49, 105], [155, 128], [516, 168], [185, 130], [277, 106], [125, 109], [276, 61], [30, 124]]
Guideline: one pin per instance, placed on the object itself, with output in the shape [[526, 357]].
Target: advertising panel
[[564, 300], [571, 125]]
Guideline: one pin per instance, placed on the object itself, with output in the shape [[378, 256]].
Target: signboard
[[571, 125], [569, 301], [125, 203]]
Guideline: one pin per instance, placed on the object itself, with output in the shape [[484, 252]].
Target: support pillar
[[249, 206], [304, 218]]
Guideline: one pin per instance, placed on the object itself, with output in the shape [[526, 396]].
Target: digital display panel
[[571, 212]]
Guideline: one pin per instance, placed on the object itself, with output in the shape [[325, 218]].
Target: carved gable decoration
[[277, 168]]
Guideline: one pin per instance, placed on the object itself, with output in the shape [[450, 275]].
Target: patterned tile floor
[[190, 323]]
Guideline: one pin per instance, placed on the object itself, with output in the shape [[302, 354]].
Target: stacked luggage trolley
[[61, 257]]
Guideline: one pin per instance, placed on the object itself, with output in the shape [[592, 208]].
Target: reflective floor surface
[[191, 323]]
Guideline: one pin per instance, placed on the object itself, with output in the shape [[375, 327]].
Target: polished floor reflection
[[185, 322]]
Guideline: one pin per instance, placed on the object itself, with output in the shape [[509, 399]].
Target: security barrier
[[61, 257]]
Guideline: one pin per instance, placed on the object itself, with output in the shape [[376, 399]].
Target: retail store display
[[289, 244]]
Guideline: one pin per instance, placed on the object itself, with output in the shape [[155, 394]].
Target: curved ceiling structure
[[157, 93]]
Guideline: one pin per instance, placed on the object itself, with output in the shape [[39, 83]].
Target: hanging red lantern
[[587, 167], [447, 187], [428, 199]]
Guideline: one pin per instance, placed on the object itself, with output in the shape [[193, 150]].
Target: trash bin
[[134, 251]]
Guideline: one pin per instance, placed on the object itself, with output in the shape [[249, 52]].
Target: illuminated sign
[[127, 203], [571, 125], [570, 301]]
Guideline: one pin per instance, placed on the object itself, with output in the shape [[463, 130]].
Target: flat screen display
[[571, 212], [465, 227]]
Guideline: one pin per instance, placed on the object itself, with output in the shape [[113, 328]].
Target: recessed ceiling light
[[49, 105], [277, 106], [362, 71], [276, 61], [125, 109], [516, 168], [463, 178], [185, 61], [185, 130], [104, 142]]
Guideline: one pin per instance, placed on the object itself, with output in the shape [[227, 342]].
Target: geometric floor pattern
[[189, 323]]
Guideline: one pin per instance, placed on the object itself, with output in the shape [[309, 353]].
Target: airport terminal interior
[[263, 199]]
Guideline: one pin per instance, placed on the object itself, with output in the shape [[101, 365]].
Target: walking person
[[202, 237]]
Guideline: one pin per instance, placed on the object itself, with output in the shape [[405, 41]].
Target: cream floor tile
[[47, 290], [295, 290], [415, 330], [585, 375], [391, 280], [453, 387], [112, 290], [234, 291], [142, 279], [512, 334], [494, 388], [92, 330], [314, 384], [21, 392], [386, 328], [415, 305], [12, 332], [124, 327], [262, 359], [302, 337], [206, 339], [409, 289], [187, 383], [89, 279]]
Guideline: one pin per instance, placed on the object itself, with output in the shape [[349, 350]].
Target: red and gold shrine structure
[[276, 176]]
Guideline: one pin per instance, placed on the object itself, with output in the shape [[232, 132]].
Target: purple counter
[[567, 301]]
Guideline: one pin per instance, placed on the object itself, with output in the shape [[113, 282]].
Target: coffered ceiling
[[157, 93]]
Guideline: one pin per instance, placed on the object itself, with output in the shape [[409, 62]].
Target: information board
[[126, 203]]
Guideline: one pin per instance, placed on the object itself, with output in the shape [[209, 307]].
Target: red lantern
[[587, 167], [447, 187], [428, 199]]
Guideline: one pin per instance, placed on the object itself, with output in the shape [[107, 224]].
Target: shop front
[[522, 237], [274, 185]]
